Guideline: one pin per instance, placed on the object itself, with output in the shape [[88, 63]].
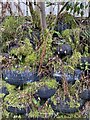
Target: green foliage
[[72, 32], [17, 97], [70, 19], [50, 19], [30, 57], [36, 20], [25, 53], [73, 61], [85, 40], [41, 112], [47, 81], [10, 26], [48, 39], [76, 7], [66, 17], [86, 33], [27, 56]]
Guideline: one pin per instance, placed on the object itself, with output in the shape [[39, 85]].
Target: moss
[[72, 32], [41, 112], [51, 83], [25, 53], [10, 26], [31, 59], [73, 61]]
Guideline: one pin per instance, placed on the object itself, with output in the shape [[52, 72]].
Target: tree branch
[[60, 13]]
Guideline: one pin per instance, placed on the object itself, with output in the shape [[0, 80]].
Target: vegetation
[[23, 48]]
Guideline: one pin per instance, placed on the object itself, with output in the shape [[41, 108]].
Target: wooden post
[[43, 16], [89, 9]]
